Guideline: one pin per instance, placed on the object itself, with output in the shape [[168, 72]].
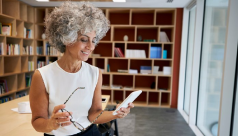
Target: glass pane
[[213, 45], [235, 121], [188, 72]]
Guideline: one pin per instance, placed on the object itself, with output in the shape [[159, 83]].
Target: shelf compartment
[[100, 63], [164, 84], [107, 92], [106, 81], [123, 80], [104, 49], [169, 50], [156, 51], [140, 82], [141, 100], [21, 84], [19, 28], [165, 99], [169, 32], [30, 14], [41, 61], [148, 33], [39, 30], [11, 82], [31, 27], [121, 46], [39, 15], [118, 95], [40, 44], [12, 65], [13, 10], [143, 17], [139, 46], [154, 99], [116, 64], [135, 64], [165, 17], [23, 11], [89, 61], [52, 59], [120, 32], [26, 43], [115, 17], [162, 63], [24, 63]]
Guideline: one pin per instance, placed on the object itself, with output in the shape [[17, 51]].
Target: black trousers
[[91, 131]]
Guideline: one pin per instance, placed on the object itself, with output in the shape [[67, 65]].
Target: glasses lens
[[78, 126]]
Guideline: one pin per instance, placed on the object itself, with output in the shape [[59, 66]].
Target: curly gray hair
[[70, 19]]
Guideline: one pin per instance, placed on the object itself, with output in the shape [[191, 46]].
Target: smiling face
[[83, 47]]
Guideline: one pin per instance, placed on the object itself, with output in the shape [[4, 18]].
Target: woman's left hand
[[124, 111]]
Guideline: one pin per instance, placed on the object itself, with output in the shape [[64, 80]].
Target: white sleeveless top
[[60, 84]]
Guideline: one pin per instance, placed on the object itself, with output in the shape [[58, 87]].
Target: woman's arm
[[96, 107], [39, 102]]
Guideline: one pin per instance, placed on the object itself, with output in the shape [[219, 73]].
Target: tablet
[[128, 100]]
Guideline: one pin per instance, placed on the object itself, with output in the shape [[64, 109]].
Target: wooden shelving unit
[[148, 23]]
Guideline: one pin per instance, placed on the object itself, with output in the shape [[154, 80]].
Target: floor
[[153, 122]]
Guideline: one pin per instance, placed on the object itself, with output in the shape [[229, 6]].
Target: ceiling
[[127, 4]]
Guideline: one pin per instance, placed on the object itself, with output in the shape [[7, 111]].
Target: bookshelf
[[157, 90]]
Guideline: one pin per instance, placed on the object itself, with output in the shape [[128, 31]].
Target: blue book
[[164, 54], [155, 52], [145, 67]]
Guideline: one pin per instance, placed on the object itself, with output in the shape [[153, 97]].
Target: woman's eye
[[84, 40]]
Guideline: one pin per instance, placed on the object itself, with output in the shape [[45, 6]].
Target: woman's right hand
[[58, 119]]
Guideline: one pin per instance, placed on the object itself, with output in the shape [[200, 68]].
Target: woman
[[65, 96]]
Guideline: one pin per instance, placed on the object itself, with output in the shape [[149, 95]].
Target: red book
[[116, 52], [120, 52]]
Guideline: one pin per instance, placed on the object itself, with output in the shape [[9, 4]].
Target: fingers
[[66, 124], [59, 107], [62, 114], [63, 120]]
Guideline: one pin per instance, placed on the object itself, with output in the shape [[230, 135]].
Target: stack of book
[[40, 64], [118, 52], [145, 69], [13, 49], [28, 80], [5, 99], [50, 50], [164, 37], [20, 94], [27, 33], [30, 65], [39, 50], [155, 52], [28, 50], [3, 86], [135, 53], [122, 71]]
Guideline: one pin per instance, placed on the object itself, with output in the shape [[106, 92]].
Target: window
[[189, 59], [214, 36]]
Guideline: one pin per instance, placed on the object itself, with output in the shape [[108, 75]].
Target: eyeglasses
[[76, 124]]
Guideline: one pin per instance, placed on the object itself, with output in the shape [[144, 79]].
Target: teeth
[[84, 52]]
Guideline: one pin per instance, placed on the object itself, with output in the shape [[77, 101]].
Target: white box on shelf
[[155, 69], [167, 70], [133, 71]]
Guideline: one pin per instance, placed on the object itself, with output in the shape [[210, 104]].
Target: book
[[145, 69], [133, 71], [7, 29], [164, 37], [3, 83], [122, 71], [155, 52]]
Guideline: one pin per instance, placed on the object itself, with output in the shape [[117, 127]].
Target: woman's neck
[[69, 64]]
